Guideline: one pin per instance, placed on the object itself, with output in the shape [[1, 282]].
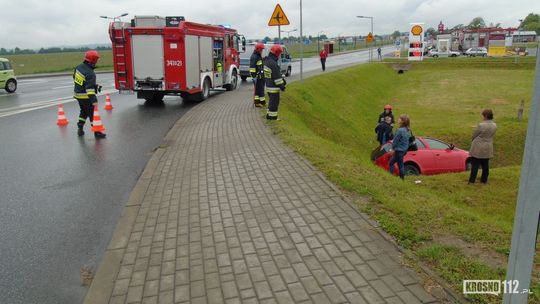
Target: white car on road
[[435, 53], [473, 52]]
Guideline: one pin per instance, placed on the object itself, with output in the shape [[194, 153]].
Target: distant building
[[470, 38], [524, 36]]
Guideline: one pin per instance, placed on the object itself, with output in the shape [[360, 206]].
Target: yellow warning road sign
[[370, 37], [278, 17]]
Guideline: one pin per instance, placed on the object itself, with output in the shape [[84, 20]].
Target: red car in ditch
[[432, 157]]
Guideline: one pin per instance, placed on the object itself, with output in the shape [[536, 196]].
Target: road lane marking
[[40, 105], [62, 87]]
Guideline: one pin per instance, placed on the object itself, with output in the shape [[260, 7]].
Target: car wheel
[[435, 56], [234, 82], [288, 72], [411, 169], [244, 78], [11, 86]]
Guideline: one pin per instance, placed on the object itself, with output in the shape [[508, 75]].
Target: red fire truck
[[156, 56]]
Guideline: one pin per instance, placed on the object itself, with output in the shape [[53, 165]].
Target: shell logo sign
[[416, 42], [416, 30]]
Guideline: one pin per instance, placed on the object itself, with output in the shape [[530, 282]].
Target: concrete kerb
[[102, 285]]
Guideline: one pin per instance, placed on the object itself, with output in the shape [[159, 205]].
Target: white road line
[[41, 105], [62, 87]]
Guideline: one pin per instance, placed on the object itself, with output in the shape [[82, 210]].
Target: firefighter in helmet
[[256, 69], [85, 89], [274, 80]]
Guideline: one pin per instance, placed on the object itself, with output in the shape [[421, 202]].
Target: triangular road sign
[[370, 37], [278, 17]]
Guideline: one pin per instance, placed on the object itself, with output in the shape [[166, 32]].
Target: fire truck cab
[[156, 56]]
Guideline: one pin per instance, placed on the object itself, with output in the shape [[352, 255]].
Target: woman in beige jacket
[[482, 146]]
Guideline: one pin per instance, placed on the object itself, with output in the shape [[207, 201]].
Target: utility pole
[[301, 46], [526, 220]]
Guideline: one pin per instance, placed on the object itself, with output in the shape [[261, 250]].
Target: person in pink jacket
[[323, 55]]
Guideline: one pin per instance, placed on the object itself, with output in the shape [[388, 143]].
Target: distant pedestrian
[[384, 131], [85, 89], [400, 145], [386, 112], [323, 55], [482, 146], [379, 53]]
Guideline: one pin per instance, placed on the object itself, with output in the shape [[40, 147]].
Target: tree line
[[19, 51]]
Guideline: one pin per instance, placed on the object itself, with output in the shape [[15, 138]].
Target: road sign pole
[[301, 46], [279, 33], [371, 45], [525, 230]]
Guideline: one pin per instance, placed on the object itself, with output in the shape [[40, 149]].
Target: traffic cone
[[97, 125], [62, 120], [108, 104]]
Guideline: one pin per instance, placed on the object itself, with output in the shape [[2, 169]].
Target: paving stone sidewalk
[[229, 214]]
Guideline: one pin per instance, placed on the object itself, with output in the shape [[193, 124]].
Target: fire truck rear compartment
[[148, 71]]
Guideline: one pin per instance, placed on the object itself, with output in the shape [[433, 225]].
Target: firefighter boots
[[80, 131]]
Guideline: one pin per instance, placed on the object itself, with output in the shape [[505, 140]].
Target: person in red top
[[323, 54]]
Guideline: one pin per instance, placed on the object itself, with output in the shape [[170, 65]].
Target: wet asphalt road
[[60, 195]]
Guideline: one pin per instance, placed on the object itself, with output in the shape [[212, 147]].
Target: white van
[[284, 61]]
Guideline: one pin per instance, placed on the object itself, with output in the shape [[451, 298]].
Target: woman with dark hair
[[482, 146], [400, 145]]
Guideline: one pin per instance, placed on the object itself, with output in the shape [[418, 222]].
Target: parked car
[[284, 61], [432, 157], [8, 81], [473, 52], [434, 53]]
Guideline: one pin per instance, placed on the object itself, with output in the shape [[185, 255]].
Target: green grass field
[[462, 231], [54, 63]]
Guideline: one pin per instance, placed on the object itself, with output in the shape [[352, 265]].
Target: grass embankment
[[462, 231], [55, 62]]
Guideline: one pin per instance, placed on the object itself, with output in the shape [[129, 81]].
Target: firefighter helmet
[[91, 56], [259, 47], [276, 49], [388, 107]]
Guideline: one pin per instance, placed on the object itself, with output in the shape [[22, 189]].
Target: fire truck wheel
[[234, 82], [205, 91]]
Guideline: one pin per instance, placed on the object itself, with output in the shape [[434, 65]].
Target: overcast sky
[[46, 23]]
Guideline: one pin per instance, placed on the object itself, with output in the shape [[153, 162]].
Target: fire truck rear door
[[147, 57]]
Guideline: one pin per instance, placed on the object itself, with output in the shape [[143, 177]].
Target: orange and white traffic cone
[[97, 125], [108, 104], [62, 120]]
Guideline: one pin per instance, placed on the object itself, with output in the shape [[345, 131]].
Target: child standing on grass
[[384, 131]]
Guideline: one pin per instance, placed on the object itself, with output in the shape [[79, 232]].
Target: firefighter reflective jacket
[[84, 79], [256, 68], [272, 74]]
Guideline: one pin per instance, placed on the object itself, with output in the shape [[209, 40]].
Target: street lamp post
[[289, 34], [301, 46], [114, 18], [518, 40], [370, 47], [319, 39]]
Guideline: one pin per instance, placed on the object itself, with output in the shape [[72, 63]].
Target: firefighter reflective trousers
[[258, 95], [87, 111], [273, 105]]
